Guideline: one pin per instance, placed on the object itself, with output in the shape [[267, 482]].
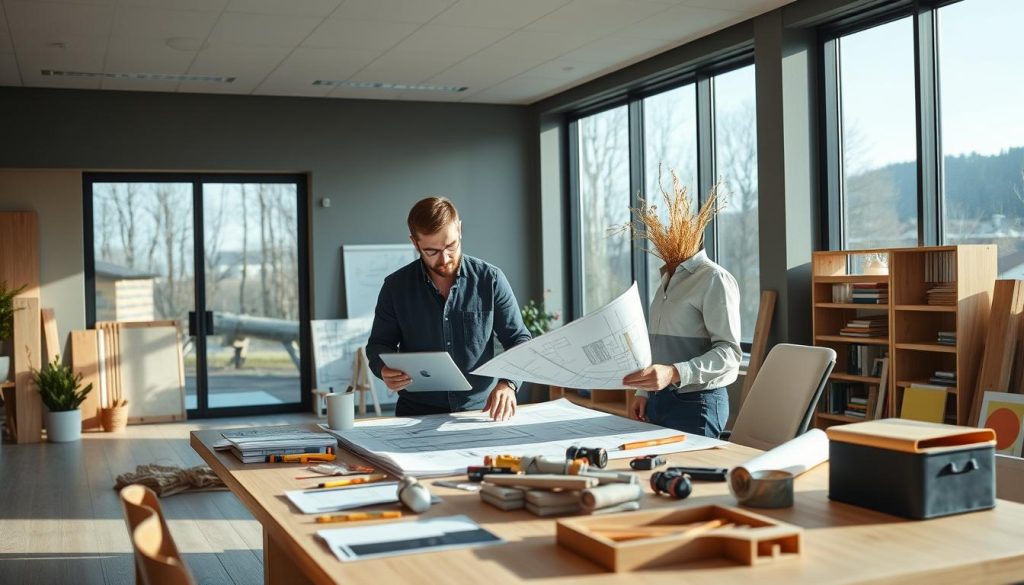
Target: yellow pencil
[[356, 516], [352, 481]]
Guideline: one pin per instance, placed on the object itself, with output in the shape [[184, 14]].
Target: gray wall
[[372, 158]]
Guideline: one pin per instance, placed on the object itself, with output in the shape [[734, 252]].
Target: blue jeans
[[700, 413]]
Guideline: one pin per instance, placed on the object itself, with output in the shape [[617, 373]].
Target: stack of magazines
[[254, 445]]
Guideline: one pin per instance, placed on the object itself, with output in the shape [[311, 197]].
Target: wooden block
[[1000, 345], [762, 328], [28, 413], [543, 481], [85, 361], [19, 251], [51, 339]]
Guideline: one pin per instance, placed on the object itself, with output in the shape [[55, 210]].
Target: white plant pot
[[5, 367], [64, 426]]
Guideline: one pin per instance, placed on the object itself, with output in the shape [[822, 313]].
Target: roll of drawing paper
[[795, 456], [611, 494], [341, 411]]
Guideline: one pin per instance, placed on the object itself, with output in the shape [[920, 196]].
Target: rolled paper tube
[[607, 477], [610, 495], [623, 507], [550, 465], [795, 456]]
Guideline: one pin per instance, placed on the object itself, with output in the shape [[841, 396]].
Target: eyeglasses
[[450, 248]]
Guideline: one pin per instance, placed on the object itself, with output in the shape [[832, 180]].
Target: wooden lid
[[910, 436]]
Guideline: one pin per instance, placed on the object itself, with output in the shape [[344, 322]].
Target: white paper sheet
[[398, 538], [795, 456], [593, 352], [321, 501], [445, 444]]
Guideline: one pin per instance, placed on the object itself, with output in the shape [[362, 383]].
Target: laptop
[[431, 371]]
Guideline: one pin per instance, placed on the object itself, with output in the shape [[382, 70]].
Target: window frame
[[702, 77]]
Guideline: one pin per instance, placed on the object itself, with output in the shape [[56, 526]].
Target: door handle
[[192, 324], [208, 317]]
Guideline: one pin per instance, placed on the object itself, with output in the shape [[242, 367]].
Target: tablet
[[431, 371]]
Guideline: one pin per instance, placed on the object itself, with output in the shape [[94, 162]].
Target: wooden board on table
[[1001, 342]]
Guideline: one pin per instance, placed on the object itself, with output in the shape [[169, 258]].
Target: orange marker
[[352, 481], [652, 442], [356, 516]]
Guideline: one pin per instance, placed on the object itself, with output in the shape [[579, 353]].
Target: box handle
[[951, 467]]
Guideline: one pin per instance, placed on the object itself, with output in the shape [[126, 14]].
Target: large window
[[924, 138], [704, 131], [879, 146], [670, 146], [736, 166], [604, 203], [981, 87]]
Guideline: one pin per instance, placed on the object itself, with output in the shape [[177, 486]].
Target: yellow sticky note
[[924, 403]]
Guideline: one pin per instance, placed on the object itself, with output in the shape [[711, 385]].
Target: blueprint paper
[[445, 444], [320, 501], [594, 352]]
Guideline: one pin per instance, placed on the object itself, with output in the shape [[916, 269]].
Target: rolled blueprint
[[612, 494], [795, 456]]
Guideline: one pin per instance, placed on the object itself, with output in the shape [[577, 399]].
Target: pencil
[[357, 516], [352, 481], [652, 442]]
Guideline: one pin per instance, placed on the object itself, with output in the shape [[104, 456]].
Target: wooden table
[[842, 544]]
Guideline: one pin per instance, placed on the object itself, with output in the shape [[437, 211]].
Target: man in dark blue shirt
[[446, 301]]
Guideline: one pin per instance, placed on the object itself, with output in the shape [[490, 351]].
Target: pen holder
[[341, 411]]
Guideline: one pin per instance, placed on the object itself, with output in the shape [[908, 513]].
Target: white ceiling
[[503, 51]]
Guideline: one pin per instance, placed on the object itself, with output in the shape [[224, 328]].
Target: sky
[[981, 82]]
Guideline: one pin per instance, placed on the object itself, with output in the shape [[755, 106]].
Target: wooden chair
[[149, 543], [140, 505], [781, 401]]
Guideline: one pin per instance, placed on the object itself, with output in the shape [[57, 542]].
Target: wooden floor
[[61, 521]]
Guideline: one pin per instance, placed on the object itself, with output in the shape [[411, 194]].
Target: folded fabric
[[502, 493], [623, 507], [502, 504], [544, 498], [552, 510], [167, 480]]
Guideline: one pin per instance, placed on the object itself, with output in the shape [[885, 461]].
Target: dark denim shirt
[[412, 316]]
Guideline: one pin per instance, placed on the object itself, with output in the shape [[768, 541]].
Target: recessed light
[[394, 86], [137, 76]]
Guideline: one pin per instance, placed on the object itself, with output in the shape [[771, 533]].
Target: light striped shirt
[[695, 325]]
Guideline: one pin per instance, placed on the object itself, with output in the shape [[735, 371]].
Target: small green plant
[[59, 386], [536, 318], [7, 309]]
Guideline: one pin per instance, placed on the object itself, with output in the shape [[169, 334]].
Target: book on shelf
[[854, 332], [924, 402], [860, 359], [941, 294], [841, 292], [883, 375], [943, 378], [946, 337], [940, 267]]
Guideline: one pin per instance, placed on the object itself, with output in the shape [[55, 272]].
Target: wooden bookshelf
[[830, 314], [913, 324]]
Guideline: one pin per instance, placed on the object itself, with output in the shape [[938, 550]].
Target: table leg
[[278, 567]]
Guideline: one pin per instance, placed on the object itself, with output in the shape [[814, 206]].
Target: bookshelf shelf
[[854, 306], [852, 278], [854, 378], [857, 340], [937, 292], [909, 383], [935, 347], [927, 308]]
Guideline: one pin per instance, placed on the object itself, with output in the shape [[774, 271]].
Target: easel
[[362, 381]]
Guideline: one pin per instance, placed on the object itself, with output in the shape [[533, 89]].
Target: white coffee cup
[[341, 413]]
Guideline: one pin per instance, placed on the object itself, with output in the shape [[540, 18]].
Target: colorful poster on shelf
[[1004, 413]]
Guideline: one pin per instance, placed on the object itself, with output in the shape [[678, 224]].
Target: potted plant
[[62, 393], [6, 325], [536, 318]]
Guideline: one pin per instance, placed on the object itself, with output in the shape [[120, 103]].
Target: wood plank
[[85, 361], [51, 339], [27, 353], [19, 251], [762, 330], [1000, 344]]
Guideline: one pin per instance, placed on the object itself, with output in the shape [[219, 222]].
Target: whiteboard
[[335, 342], [365, 268], [151, 372]]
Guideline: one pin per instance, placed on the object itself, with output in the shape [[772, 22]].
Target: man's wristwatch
[[511, 384]]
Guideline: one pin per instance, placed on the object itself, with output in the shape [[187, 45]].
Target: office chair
[[141, 504], [781, 401]]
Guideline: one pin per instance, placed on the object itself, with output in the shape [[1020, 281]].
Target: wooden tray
[[643, 540]]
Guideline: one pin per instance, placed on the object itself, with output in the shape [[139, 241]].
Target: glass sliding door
[[221, 254], [250, 239]]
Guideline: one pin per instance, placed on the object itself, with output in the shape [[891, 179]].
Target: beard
[[448, 269]]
